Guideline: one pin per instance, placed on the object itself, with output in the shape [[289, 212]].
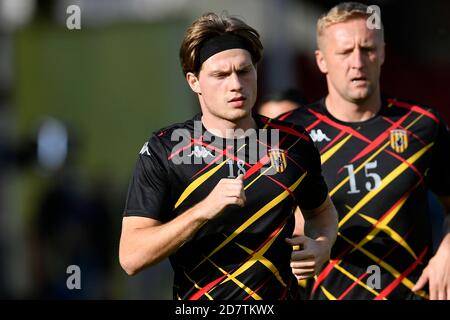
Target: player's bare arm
[[312, 245], [437, 272], [145, 241]]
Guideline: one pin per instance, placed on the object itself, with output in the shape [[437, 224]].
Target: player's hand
[[308, 255], [227, 192], [437, 273]]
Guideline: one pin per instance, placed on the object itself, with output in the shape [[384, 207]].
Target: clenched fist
[[308, 255], [226, 192]]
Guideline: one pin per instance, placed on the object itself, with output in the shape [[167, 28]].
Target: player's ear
[[321, 62], [192, 79]]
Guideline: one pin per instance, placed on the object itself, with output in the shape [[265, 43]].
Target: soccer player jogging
[[216, 194], [379, 157]]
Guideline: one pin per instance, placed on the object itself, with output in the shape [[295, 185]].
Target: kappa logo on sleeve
[[144, 149]]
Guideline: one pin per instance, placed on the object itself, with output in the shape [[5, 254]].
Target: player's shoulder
[[316, 106], [286, 127], [171, 133], [408, 105], [305, 113], [166, 132], [162, 141]]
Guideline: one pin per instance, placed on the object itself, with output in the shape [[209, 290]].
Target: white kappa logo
[[200, 151], [144, 149], [318, 135]]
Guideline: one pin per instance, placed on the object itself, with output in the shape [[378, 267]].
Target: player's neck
[[348, 111], [227, 129]]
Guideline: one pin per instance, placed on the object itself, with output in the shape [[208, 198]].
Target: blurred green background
[[113, 84]]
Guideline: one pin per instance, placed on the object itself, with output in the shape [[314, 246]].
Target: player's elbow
[[128, 265], [129, 270], [129, 259], [134, 254], [132, 261]]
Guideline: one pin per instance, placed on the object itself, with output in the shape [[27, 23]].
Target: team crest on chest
[[278, 159], [399, 140]]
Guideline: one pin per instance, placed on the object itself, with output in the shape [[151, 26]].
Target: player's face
[[226, 85], [351, 56]]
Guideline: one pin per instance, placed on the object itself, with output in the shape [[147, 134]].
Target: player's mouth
[[359, 81], [238, 101]]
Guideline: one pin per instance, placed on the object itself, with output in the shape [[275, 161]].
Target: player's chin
[[360, 95], [237, 114]]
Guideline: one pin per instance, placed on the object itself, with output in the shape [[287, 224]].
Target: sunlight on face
[[352, 56], [227, 82]]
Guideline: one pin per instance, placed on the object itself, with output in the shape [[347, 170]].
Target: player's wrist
[[203, 211], [326, 243]]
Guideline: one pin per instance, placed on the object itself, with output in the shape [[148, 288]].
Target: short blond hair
[[343, 12]]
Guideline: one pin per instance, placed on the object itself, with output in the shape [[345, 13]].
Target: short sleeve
[[438, 176], [148, 190], [313, 190]]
